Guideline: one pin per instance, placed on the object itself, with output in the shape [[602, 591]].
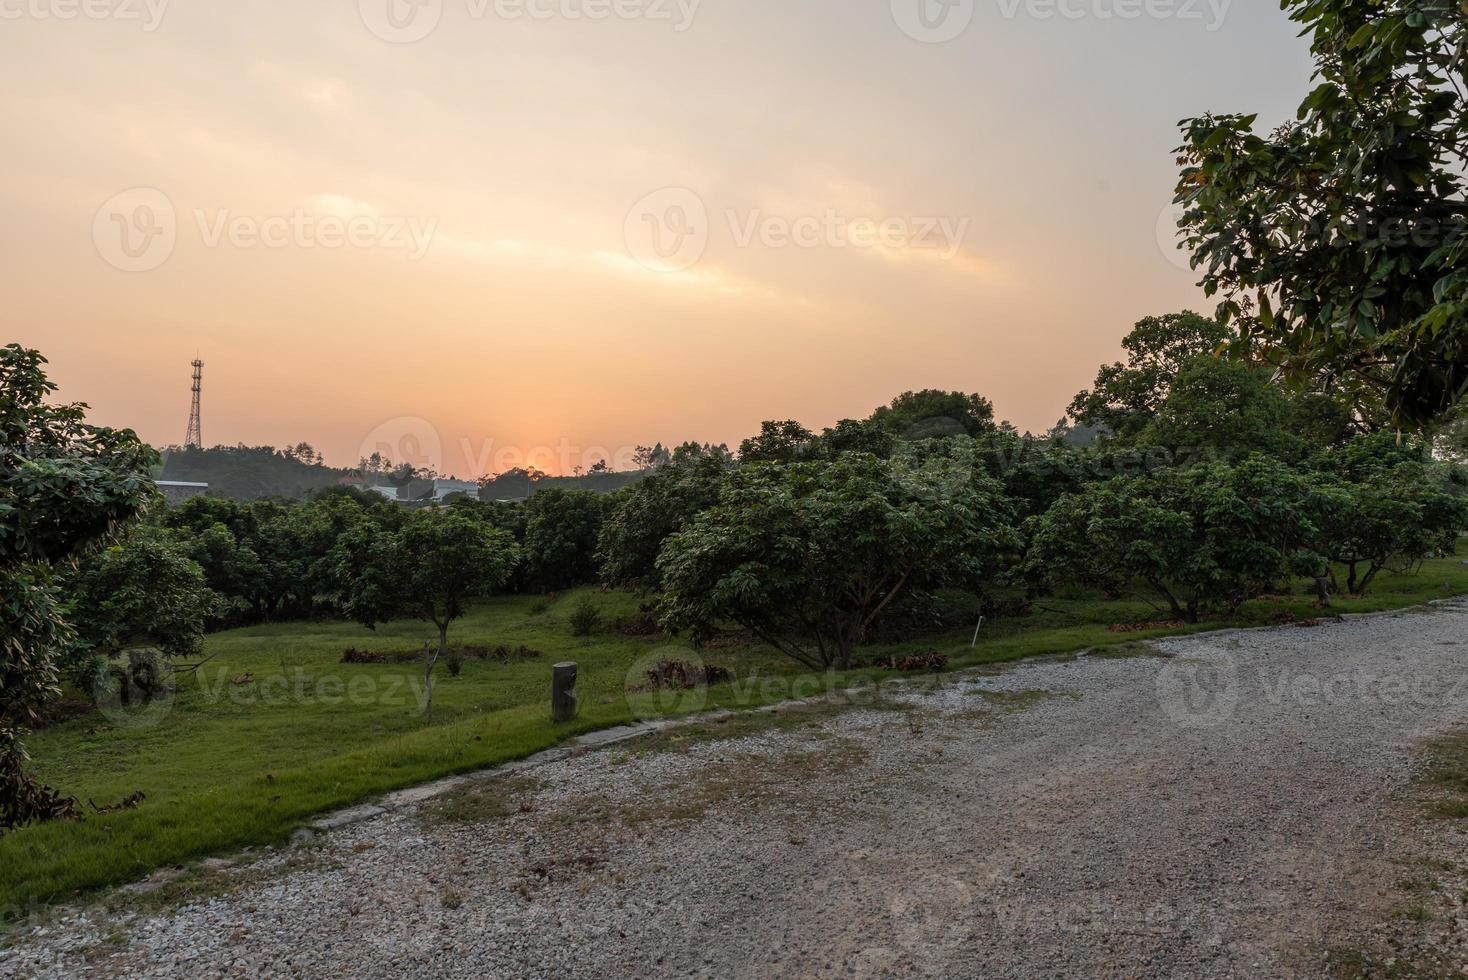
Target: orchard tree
[[1344, 230], [1206, 536], [933, 414], [65, 487], [1391, 519], [1222, 409], [777, 442], [1034, 472], [143, 592], [641, 517], [561, 529], [430, 569], [1365, 457], [808, 555], [852, 436]]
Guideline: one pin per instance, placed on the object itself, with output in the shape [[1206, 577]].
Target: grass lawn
[[227, 764]]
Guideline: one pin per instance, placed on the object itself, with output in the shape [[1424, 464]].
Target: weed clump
[[585, 617]]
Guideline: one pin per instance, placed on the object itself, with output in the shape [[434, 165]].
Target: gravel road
[[1241, 807]]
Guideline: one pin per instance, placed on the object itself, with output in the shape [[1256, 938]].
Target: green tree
[[561, 530], [1034, 472], [65, 486], [144, 591], [852, 436], [777, 442], [1392, 518], [808, 555], [1206, 536], [931, 414], [1216, 408], [641, 517], [1366, 456], [1127, 396], [430, 569], [1345, 228]]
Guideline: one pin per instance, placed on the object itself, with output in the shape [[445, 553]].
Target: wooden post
[[563, 693]]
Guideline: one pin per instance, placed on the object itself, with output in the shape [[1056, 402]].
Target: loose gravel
[[1238, 807]]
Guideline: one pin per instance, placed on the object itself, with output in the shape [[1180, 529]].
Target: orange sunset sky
[[856, 211]]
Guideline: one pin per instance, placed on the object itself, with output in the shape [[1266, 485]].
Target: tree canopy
[[65, 486], [1126, 396], [1344, 229], [1205, 536], [808, 555]]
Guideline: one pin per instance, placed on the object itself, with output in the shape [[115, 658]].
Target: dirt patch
[[481, 802]]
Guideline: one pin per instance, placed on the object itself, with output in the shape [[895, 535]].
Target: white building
[[176, 492], [443, 489]]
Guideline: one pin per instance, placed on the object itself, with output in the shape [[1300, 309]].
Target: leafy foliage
[[270, 560], [64, 487], [1388, 518], [777, 442], [808, 555], [933, 414], [1126, 397], [643, 516], [1206, 536], [1346, 227], [142, 591], [429, 569], [1220, 409], [561, 530], [585, 617]]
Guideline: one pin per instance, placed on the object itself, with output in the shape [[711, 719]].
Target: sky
[[480, 233]]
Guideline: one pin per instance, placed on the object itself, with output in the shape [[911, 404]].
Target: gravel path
[[1235, 809]]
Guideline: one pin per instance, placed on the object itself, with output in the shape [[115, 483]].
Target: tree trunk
[[431, 656], [1369, 578]]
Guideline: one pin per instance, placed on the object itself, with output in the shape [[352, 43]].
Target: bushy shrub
[[585, 617]]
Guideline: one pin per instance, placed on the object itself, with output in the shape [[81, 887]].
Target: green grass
[[1447, 770], [229, 765]]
